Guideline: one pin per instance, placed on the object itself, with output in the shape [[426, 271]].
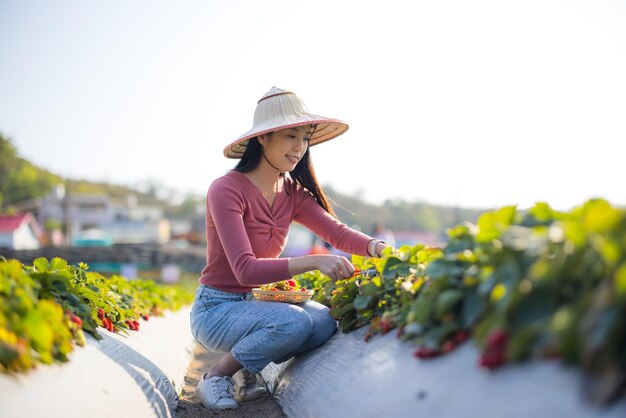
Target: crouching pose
[[248, 214]]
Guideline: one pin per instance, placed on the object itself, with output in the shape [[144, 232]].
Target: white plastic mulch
[[350, 378], [135, 376]]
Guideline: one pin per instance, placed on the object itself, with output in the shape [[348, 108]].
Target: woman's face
[[285, 148]]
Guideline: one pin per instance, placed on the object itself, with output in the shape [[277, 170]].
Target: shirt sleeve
[[226, 205], [310, 214]]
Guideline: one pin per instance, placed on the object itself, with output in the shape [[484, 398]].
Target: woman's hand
[[380, 246], [335, 266]]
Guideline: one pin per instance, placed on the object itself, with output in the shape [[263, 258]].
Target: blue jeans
[[257, 333]]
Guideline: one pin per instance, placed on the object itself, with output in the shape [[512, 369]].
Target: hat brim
[[326, 129]]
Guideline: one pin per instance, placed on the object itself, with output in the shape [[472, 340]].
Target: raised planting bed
[[139, 375], [348, 377]]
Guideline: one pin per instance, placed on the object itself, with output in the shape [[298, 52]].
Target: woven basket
[[286, 296]]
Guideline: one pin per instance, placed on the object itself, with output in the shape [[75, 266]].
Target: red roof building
[[19, 232]]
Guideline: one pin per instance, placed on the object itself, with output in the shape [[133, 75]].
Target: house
[[98, 220], [20, 232]]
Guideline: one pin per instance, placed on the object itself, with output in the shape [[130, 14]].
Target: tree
[[19, 179]]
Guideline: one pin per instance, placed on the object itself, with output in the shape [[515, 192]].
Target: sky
[[470, 103]]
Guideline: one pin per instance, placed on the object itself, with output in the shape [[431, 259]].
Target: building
[[98, 220], [20, 232]]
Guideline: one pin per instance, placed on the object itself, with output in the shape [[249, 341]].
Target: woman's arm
[[334, 266], [310, 214]]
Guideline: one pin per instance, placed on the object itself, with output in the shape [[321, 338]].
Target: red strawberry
[[461, 336], [497, 338], [76, 319], [385, 326], [494, 355], [303, 289], [145, 317], [101, 314], [291, 283], [425, 352]]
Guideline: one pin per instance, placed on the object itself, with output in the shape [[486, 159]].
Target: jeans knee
[[297, 325], [329, 326]]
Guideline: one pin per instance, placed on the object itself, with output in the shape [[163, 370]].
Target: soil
[[190, 407]]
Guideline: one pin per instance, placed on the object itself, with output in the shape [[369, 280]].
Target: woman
[[249, 211]]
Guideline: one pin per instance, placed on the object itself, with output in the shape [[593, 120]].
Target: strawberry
[[497, 338], [109, 324], [303, 289], [494, 355], [425, 352], [461, 336], [385, 326], [76, 319]]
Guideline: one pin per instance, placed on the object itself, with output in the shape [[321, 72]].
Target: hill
[[20, 180]]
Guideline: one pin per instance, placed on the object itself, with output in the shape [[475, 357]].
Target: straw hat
[[279, 109]]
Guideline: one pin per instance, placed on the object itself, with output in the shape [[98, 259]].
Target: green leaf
[[620, 281], [520, 343], [600, 216], [447, 301], [599, 334], [422, 308], [347, 323], [370, 289], [358, 261], [41, 264], [535, 306], [58, 264], [394, 267], [361, 302], [491, 224], [471, 309]]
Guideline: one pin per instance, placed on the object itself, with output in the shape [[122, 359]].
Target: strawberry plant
[[523, 284], [46, 307]]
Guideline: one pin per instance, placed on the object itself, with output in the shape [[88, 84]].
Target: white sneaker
[[216, 392], [247, 386]]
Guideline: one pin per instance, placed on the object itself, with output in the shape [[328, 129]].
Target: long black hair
[[303, 173]]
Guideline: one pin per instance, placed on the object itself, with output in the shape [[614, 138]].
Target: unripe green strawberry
[[79, 337]]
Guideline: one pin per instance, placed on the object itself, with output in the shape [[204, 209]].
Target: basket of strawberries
[[286, 291]]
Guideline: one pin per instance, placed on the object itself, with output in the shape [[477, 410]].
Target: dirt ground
[[191, 407]]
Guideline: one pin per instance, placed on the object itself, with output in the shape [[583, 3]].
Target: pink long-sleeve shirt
[[245, 235]]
